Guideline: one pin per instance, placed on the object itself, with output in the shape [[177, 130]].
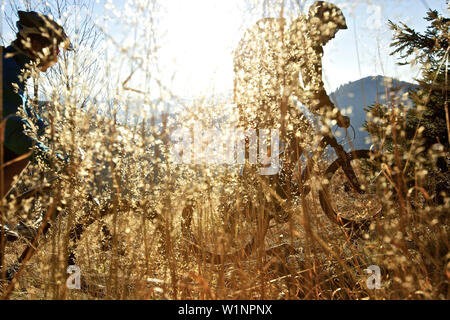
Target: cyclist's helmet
[[33, 23], [328, 12]]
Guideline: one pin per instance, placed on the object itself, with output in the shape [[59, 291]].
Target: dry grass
[[140, 195]]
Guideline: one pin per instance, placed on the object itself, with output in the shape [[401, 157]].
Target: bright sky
[[369, 36], [201, 35]]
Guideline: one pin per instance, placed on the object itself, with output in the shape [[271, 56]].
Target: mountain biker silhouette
[[38, 40], [269, 61]]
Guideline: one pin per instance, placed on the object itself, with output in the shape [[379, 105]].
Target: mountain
[[365, 92]]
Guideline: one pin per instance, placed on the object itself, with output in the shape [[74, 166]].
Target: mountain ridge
[[359, 94]]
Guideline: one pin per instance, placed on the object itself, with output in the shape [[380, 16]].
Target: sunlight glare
[[200, 39]]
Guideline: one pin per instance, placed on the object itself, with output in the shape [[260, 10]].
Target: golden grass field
[[123, 188]]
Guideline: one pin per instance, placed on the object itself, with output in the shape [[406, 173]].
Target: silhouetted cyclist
[[270, 59], [38, 41], [274, 63]]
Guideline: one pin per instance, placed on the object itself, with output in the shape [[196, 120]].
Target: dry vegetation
[[122, 184]]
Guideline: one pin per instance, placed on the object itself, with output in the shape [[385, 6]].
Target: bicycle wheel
[[348, 195]]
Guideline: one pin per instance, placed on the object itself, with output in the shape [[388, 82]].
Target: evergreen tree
[[430, 51], [430, 102]]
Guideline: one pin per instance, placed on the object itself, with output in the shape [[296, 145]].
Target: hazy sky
[[209, 30], [368, 32], [202, 34]]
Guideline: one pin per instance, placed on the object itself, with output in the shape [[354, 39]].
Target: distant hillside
[[363, 93]]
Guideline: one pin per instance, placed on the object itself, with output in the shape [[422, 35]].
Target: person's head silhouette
[[39, 37], [325, 19]]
